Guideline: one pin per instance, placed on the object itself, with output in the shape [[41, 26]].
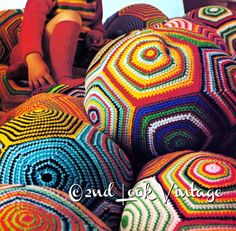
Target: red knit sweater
[[35, 16]]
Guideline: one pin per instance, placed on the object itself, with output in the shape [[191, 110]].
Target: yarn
[[133, 17], [40, 208], [165, 208], [196, 27], [220, 18], [64, 103], [162, 90], [10, 22], [54, 149]]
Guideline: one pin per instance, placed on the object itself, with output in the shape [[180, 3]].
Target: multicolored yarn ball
[[54, 149], [10, 21], [183, 191], [12, 94], [199, 28], [40, 208], [220, 18], [133, 17], [60, 102], [159, 91]]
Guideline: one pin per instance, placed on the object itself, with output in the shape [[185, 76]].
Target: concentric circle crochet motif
[[195, 27], [166, 209], [220, 18], [39, 208], [161, 90], [51, 148]]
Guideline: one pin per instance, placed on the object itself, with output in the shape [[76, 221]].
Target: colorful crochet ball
[[183, 191], [220, 18], [133, 17], [189, 24], [60, 102], [40, 208], [159, 91], [10, 21], [54, 149]]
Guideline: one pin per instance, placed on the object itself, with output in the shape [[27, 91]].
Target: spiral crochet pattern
[[39, 208], [54, 149], [220, 18], [165, 208], [191, 25], [60, 102], [133, 17], [163, 90]]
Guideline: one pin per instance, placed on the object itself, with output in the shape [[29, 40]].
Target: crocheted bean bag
[[60, 102], [163, 90], [133, 17], [10, 21], [220, 18], [54, 149], [183, 191], [190, 24], [39, 208]]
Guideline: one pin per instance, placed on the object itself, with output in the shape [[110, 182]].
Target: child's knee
[[69, 15]]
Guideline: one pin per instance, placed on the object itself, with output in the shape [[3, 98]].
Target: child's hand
[[94, 39], [38, 71]]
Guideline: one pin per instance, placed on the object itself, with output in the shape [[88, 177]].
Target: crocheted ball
[[183, 191], [60, 102], [159, 91], [190, 24], [133, 17], [54, 149], [220, 18], [10, 21], [40, 208]]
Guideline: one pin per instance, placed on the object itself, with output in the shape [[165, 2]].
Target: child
[[52, 31]]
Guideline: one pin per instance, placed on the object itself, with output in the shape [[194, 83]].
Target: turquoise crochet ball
[[54, 149]]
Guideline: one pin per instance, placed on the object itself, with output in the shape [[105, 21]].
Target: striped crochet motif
[[10, 22], [191, 25], [220, 18], [40, 208], [133, 17], [161, 90], [51, 148], [180, 170]]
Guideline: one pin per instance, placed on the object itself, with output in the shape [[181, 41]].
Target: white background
[[172, 8]]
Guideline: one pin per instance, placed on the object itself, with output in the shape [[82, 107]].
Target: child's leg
[[61, 37]]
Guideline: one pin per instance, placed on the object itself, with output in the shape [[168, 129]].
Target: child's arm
[[33, 25], [31, 39]]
